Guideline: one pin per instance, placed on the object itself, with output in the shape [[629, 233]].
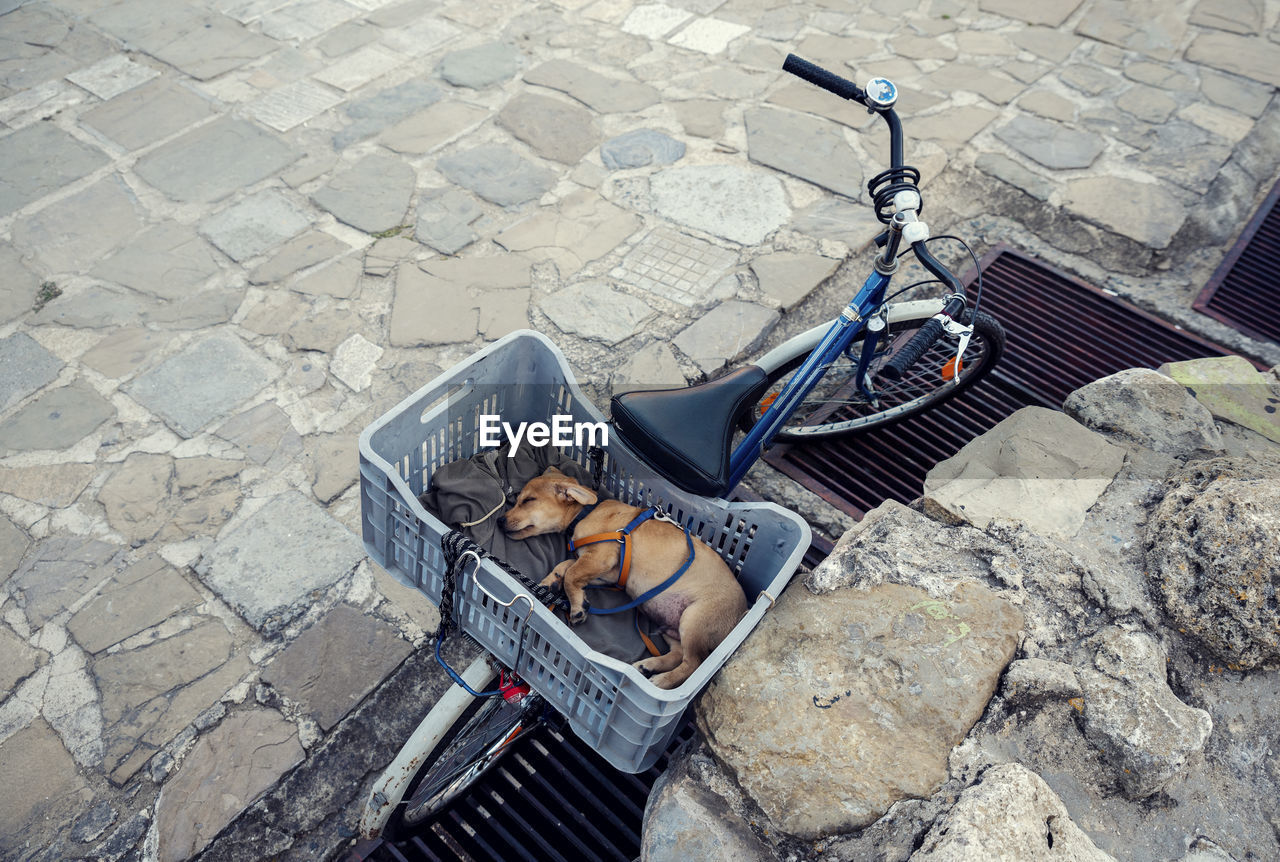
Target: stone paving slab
[[726, 332], [148, 113], [369, 115], [595, 312], [585, 228], [57, 234], [99, 306], [167, 260], [598, 92], [427, 130], [255, 224], [640, 147], [735, 203], [202, 44], [215, 160], [336, 662], [299, 253], [19, 287], [293, 104], [267, 566], [135, 599], [58, 572], [788, 277], [229, 768], [481, 66], [372, 195], [497, 174], [56, 486], [676, 266], [52, 787], [151, 693], [25, 367], [554, 129], [183, 392], [55, 419], [41, 159], [813, 150]]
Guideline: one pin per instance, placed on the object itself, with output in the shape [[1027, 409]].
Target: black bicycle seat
[[687, 434]]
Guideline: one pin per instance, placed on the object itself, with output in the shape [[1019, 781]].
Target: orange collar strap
[[622, 537]]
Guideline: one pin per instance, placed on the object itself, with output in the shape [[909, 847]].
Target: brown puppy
[[696, 612]]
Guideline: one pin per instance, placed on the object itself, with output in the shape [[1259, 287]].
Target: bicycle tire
[[484, 733], [835, 407]]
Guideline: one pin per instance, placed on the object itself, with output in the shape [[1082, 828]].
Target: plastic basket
[[524, 377]]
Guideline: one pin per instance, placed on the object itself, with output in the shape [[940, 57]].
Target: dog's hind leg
[[657, 664], [702, 628]]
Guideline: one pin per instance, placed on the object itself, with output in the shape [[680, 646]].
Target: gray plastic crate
[[524, 377]]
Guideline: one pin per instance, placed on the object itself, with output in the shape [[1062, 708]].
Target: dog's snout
[[502, 522]]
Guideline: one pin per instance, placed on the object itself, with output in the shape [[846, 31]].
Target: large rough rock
[[1038, 466], [895, 544], [685, 818], [1213, 555], [1134, 718], [1145, 407], [841, 705], [1232, 389], [1010, 814]]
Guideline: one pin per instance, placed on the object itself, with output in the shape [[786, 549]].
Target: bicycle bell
[[881, 93]]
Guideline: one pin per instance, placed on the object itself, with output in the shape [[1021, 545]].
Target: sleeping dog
[[696, 612]]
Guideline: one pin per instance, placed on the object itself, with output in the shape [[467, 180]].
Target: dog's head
[[546, 504]]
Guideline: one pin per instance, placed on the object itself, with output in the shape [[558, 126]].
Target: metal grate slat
[[1245, 290], [1062, 334]]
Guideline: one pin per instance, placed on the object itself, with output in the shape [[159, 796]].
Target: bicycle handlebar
[[846, 89], [937, 268], [820, 77], [924, 338]]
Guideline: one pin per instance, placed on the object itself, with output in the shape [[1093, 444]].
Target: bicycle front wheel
[[484, 734], [837, 406]]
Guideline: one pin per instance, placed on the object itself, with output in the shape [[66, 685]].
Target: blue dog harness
[[623, 537]]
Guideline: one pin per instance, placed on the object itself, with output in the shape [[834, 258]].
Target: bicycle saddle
[[687, 434]]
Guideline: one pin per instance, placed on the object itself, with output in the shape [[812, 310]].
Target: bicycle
[[879, 362]]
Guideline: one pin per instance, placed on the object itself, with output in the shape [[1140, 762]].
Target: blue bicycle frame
[[833, 344]]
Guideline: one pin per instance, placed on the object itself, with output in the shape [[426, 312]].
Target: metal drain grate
[[1063, 334], [1245, 290], [552, 798]]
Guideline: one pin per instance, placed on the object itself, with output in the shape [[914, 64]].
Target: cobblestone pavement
[[233, 232]]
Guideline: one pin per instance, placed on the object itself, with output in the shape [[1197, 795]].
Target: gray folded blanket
[[470, 495]]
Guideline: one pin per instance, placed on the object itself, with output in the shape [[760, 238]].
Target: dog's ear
[[552, 471], [576, 493]]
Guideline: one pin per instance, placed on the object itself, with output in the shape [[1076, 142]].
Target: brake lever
[[954, 327]]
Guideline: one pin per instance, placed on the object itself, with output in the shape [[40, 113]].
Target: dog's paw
[[644, 665], [578, 617]]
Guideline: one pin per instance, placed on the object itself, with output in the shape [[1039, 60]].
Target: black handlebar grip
[[828, 81], [911, 352]]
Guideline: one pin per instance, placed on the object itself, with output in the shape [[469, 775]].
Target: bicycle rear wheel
[[483, 735], [836, 406]]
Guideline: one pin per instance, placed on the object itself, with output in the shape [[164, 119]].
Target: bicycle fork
[[834, 343]]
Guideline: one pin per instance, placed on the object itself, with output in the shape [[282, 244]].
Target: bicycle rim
[[837, 407], [478, 745]]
